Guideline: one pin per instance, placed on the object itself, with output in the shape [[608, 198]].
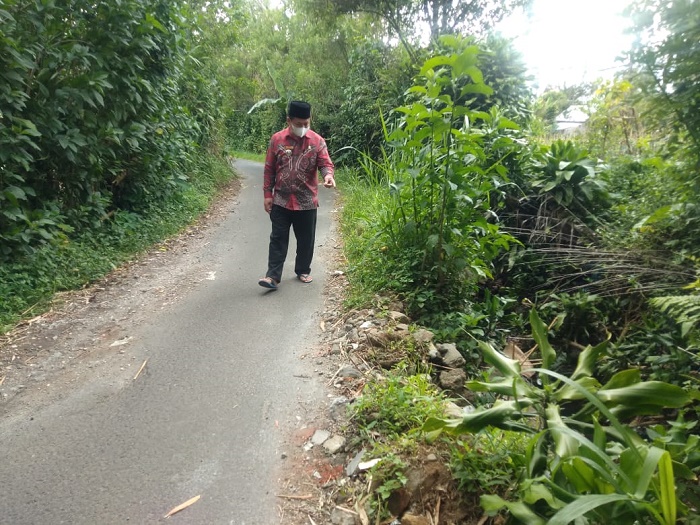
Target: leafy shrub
[[93, 105], [396, 405], [582, 461], [488, 462]]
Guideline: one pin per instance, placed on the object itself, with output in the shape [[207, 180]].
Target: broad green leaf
[[432, 63], [667, 489], [475, 74], [565, 445], [570, 393], [534, 492], [492, 504], [587, 359], [28, 127], [584, 504], [649, 393], [580, 475], [16, 192], [417, 89], [659, 215], [623, 379], [501, 414], [536, 455], [515, 387], [539, 333], [508, 367], [480, 89], [645, 472]]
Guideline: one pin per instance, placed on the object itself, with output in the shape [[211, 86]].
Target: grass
[[260, 157], [27, 287], [363, 201]]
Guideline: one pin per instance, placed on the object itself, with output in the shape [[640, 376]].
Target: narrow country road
[[223, 382]]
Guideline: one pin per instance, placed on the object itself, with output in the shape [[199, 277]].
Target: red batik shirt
[[291, 169]]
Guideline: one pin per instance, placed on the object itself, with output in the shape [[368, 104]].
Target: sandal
[[305, 278], [268, 282]]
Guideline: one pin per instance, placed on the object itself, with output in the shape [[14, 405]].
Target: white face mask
[[299, 131]]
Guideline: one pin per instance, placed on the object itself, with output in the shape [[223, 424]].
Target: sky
[[567, 42]]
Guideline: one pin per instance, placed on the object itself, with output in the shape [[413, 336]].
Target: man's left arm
[[325, 166]]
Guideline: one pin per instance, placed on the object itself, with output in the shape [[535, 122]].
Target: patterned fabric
[[291, 167]]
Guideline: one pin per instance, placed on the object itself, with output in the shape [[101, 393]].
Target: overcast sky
[[566, 42]]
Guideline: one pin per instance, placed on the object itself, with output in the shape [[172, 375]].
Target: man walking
[[290, 187]]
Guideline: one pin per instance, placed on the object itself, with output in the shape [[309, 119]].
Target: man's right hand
[[268, 204]]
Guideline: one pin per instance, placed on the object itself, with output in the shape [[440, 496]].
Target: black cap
[[299, 109]]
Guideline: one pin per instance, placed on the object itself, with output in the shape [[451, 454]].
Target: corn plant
[[584, 464]]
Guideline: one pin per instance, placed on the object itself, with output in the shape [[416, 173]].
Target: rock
[[343, 516], [431, 457], [413, 519], [354, 336], [450, 355], [378, 338], [366, 325], [452, 380], [454, 411], [423, 336], [334, 444], [335, 349], [433, 354], [422, 480], [398, 334], [320, 436], [349, 371], [338, 408], [398, 317]]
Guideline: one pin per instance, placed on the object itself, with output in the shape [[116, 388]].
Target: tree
[[408, 19], [665, 62]]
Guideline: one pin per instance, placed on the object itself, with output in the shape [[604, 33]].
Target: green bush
[[93, 114]]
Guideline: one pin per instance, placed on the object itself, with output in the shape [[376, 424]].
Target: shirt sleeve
[[270, 171], [324, 162]]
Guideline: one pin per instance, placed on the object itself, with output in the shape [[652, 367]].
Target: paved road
[[224, 380]]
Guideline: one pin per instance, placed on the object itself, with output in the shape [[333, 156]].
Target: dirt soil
[[80, 336]]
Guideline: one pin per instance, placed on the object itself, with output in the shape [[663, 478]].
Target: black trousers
[[303, 223]]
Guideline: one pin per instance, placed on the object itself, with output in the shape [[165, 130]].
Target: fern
[[685, 309]]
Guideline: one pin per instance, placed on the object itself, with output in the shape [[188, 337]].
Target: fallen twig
[[291, 496], [140, 369], [2, 380], [183, 506]]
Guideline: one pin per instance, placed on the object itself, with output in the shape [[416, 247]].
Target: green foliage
[[567, 175], [489, 462], [666, 59], [27, 286], [93, 114], [443, 171], [685, 309], [615, 127], [505, 72], [582, 460], [377, 80], [395, 406]]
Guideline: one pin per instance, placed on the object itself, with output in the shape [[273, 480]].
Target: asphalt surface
[[224, 383]]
